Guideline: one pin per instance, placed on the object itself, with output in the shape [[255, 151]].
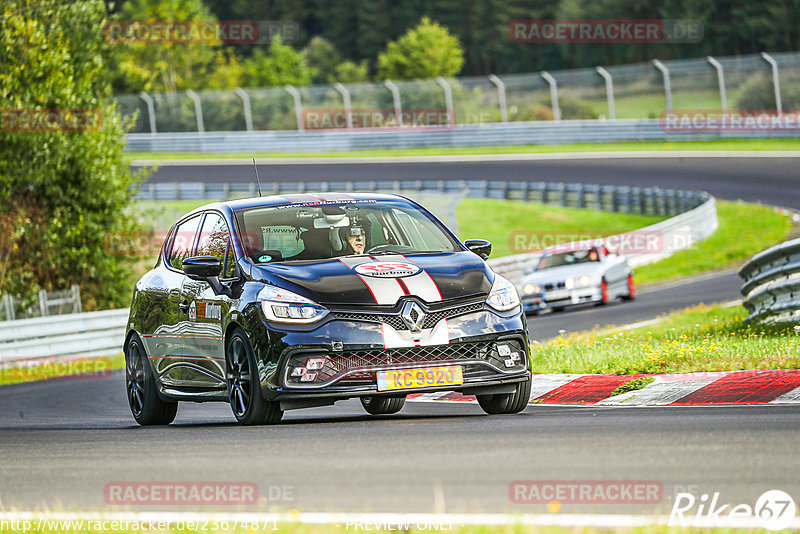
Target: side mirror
[[202, 267], [481, 247]]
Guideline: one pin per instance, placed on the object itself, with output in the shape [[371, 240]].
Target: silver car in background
[[578, 276]]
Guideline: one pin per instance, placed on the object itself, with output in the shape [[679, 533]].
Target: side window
[[214, 241], [182, 240]]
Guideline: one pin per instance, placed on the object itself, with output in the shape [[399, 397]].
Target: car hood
[[358, 280], [557, 274]]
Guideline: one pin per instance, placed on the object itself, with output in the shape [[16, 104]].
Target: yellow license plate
[[420, 378]]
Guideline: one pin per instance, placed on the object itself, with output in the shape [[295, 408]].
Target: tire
[[146, 406], [383, 405], [244, 386], [631, 289], [507, 403]]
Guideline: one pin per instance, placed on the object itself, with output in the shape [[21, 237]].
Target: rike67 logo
[[773, 510]]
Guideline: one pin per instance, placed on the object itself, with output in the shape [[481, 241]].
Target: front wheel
[[383, 405], [244, 387], [146, 406], [507, 403]]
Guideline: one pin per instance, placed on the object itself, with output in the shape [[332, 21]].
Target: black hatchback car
[[294, 301]]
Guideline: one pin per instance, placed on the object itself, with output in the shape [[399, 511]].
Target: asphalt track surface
[[773, 180], [62, 441]]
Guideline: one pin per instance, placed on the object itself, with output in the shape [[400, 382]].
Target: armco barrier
[[79, 334], [771, 286], [512, 133]]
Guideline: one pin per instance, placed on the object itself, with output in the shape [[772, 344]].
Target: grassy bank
[[632, 146], [744, 229], [698, 339]]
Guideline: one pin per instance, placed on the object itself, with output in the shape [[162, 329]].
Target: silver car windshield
[[568, 258]]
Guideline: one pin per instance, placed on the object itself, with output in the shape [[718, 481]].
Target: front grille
[[396, 322], [360, 366], [554, 285]]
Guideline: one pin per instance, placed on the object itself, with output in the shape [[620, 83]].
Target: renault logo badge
[[413, 315]]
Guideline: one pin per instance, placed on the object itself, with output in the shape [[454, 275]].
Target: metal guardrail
[[771, 286], [512, 133], [79, 334]]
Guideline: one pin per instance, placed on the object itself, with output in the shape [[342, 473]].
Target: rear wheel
[[631, 289], [146, 406], [244, 387], [383, 405], [506, 403]]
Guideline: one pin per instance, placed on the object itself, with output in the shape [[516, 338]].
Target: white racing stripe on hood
[[385, 289]]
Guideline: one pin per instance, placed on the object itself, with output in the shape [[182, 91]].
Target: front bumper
[[561, 299], [353, 350]]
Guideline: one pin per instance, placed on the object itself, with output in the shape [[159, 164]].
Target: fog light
[[308, 377], [315, 364], [509, 363], [504, 350], [515, 356]]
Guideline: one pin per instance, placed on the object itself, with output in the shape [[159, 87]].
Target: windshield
[[317, 232], [568, 258]]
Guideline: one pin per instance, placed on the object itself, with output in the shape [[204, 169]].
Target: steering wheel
[[388, 248]]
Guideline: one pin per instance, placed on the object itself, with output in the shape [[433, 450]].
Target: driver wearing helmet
[[356, 239]]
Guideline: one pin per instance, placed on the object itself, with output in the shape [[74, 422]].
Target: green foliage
[[350, 72], [758, 93], [63, 192], [426, 51], [323, 57], [164, 67], [279, 66], [575, 108]]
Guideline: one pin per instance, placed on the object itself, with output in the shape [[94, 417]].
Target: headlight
[[529, 289], [284, 306], [503, 296], [581, 281]]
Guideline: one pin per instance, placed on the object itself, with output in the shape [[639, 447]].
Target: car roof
[[295, 198]]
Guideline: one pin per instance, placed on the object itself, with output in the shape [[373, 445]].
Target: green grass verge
[[698, 339], [507, 224], [633, 146], [633, 385], [744, 229], [50, 369]]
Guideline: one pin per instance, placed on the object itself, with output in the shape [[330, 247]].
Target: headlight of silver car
[[530, 289], [284, 306], [580, 281], [503, 296]]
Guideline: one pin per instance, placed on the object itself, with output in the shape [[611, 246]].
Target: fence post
[[348, 110], [248, 113], [151, 112], [612, 113], [721, 82], [553, 94], [448, 99], [665, 75], [501, 96], [76, 295], [398, 108], [298, 105], [43, 302], [776, 83], [198, 110], [8, 303]]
